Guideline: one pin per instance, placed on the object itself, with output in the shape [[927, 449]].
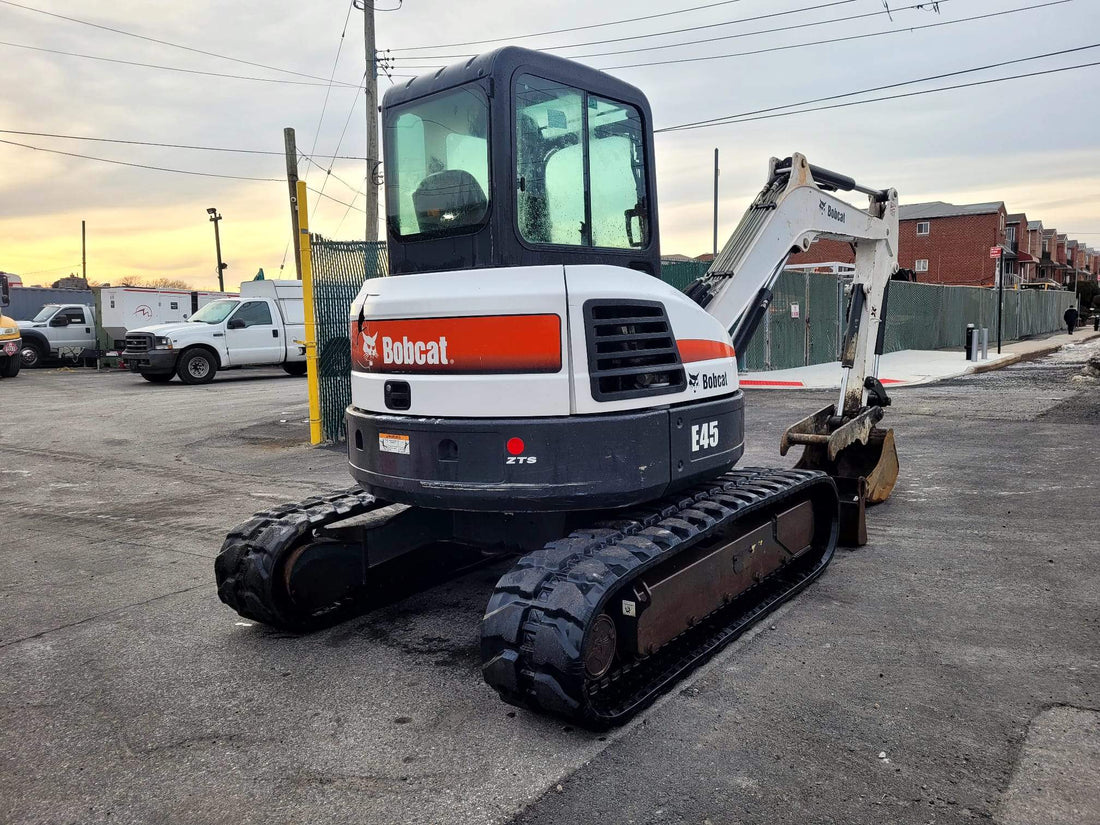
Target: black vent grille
[[138, 342], [631, 350]]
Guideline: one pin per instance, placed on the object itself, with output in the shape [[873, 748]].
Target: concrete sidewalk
[[911, 366]]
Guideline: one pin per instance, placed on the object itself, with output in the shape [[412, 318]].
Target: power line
[[321, 194], [707, 26], [571, 29], [55, 269], [157, 40], [328, 89], [894, 97], [714, 121], [339, 143], [921, 6], [351, 206], [826, 41], [168, 68], [328, 172], [138, 165], [161, 145]]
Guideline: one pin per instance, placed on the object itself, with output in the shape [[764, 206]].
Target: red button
[[515, 446]]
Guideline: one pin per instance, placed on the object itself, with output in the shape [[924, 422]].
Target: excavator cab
[[519, 158]]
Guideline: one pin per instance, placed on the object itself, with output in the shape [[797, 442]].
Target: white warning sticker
[[389, 443], [629, 608]]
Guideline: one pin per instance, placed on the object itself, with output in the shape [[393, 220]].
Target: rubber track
[[535, 624], [247, 567]]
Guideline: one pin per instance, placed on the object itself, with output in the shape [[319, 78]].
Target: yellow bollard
[[312, 365]]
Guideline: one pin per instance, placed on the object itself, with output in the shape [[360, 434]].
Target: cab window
[[254, 314], [437, 181], [74, 314], [565, 137]]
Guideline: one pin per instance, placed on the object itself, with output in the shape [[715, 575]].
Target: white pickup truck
[[260, 328], [57, 331]]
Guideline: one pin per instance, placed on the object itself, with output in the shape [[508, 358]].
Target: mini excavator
[[525, 383]]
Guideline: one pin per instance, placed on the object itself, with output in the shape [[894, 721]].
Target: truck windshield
[[45, 313], [213, 313], [437, 161]]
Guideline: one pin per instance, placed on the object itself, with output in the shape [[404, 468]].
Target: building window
[[923, 227], [921, 265], [1010, 235]]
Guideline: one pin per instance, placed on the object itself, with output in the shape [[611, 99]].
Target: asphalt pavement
[[914, 682]]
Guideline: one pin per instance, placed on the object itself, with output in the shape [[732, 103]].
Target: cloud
[[1029, 142]]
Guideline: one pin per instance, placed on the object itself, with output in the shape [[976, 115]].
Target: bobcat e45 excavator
[[523, 382]]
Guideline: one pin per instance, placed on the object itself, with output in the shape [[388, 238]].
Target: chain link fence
[[339, 270]]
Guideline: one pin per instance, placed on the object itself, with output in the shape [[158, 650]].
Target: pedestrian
[[1070, 317]]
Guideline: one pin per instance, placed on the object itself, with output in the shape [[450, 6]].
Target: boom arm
[[795, 207]]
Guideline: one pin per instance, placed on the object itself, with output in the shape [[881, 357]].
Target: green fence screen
[[339, 270]]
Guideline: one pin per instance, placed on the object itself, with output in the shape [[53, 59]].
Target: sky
[[1032, 142]]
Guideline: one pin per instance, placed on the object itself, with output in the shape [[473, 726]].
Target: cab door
[[74, 334], [253, 335]]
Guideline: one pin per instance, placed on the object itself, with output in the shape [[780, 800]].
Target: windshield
[[45, 313], [437, 164], [213, 313]]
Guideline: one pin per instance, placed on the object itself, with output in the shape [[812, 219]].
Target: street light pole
[[214, 218]]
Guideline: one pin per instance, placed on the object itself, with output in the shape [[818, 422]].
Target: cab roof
[[503, 63]]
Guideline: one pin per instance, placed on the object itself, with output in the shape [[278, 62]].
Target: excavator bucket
[[861, 457]]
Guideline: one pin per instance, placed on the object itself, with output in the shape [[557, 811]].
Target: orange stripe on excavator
[[485, 344], [699, 349]]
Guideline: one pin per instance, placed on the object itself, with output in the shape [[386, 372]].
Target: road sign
[[994, 252]]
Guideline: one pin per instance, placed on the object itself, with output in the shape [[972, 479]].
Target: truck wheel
[[157, 377], [196, 366], [295, 368], [32, 355], [11, 366]]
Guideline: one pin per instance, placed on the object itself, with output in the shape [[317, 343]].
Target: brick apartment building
[[942, 243], [1021, 240]]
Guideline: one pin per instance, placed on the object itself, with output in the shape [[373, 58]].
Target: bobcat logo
[[693, 380], [822, 206], [370, 346]]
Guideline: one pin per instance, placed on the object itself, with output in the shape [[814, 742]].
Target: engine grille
[[138, 342], [631, 350]]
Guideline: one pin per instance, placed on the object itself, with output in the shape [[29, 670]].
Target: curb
[[1024, 356], [1005, 360]]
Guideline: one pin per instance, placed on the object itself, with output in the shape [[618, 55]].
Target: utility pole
[[373, 161], [292, 181], [1000, 298], [214, 218], [715, 201], [84, 252]]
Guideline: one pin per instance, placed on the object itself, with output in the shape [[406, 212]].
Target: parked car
[[57, 331], [262, 327]]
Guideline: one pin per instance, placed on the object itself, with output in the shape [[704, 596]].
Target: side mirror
[[236, 323], [59, 321]]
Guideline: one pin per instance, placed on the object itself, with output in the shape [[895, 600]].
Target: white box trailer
[[127, 307]]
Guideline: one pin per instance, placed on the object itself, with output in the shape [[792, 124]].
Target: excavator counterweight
[[525, 384]]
